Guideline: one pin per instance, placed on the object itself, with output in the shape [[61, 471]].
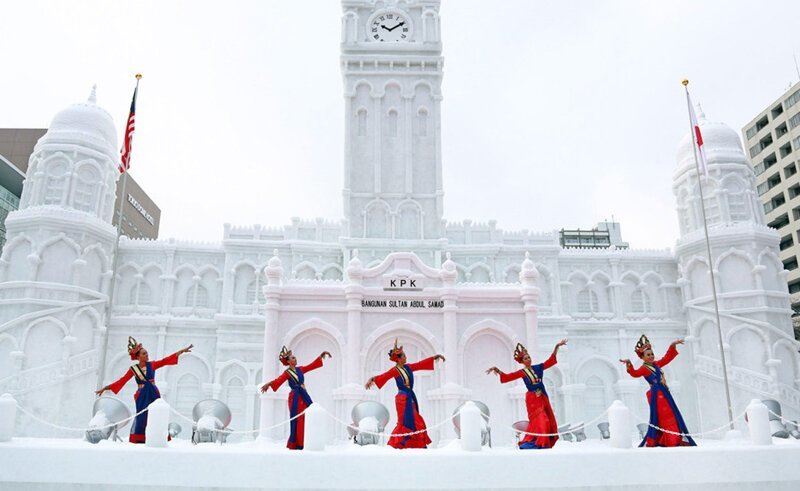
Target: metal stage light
[[368, 416], [578, 430], [776, 426], [107, 411], [210, 417], [174, 429], [520, 426], [563, 430], [642, 427], [605, 434], [486, 431]]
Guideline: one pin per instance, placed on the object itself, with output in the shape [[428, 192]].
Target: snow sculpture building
[[392, 268]]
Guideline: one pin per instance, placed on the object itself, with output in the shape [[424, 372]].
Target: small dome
[[89, 120], [721, 144], [274, 262], [448, 265]]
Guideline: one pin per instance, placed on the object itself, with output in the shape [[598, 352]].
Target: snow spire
[[93, 95]]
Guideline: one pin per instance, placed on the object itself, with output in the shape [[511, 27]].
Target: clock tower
[[392, 69]]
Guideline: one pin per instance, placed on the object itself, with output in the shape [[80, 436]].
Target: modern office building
[[141, 216], [602, 236], [772, 141]]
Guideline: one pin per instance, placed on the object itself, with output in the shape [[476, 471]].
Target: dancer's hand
[[100, 392], [438, 357], [325, 354], [369, 383], [676, 342], [561, 343], [625, 361], [493, 370], [264, 388], [187, 349]]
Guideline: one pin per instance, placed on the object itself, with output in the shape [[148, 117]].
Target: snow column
[[530, 298], [619, 425], [449, 296], [272, 294], [470, 419], [354, 292], [157, 423], [758, 422], [8, 415]]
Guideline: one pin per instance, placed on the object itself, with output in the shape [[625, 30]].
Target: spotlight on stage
[[642, 427], [519, 427], [486, 431], [368, 416], [578, 430], [174, 429], [210, 417], [605, 434], [564, 432], [776, 426], [108, 412], [794, 429]]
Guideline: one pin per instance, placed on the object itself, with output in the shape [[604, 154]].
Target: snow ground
[[44, 464]]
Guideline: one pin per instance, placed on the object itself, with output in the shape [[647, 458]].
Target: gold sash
[[404, 375], [531, 375], [140, 374]]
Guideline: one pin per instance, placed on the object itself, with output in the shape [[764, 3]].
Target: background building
[[141, 216], [772, 140], [602, 236]]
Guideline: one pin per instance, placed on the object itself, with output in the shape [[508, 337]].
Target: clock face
[[390, 27]]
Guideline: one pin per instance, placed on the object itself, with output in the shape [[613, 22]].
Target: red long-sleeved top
[[283, 377], [117, 386], [643, 371], [510, 377], [426, 364]]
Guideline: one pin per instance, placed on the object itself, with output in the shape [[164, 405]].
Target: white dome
[[87, 121], [721, 145]]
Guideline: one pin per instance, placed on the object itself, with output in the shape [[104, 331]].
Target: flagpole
[[710, 259], [101, 373]]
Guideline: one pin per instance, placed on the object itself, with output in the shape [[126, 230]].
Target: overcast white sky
[[555, 114]]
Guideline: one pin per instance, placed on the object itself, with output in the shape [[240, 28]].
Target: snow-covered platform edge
[[69, 464]]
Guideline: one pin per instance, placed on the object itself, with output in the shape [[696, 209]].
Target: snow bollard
[[157, 424], [619, 425], [315, 428], [8, 417], [758, 422], [470, 419]]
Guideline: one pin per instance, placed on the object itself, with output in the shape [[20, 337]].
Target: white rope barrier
[[693, 435], [366, 432], [244, 432], [120, 423], [565, 432]]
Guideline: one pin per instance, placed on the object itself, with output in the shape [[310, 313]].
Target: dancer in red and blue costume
[[145, 373], [541, 419], [663, 410], [408, 418], [299, 399]]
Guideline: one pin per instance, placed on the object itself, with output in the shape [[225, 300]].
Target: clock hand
[[390, 30], [398, 25]]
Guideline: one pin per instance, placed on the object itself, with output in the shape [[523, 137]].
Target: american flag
[[127, 143]]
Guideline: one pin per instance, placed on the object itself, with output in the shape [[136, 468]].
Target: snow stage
[[33, 464], [758, 462]]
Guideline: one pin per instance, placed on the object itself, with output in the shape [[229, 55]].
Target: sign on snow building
[[392, 268]]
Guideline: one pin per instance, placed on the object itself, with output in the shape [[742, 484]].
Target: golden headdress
[[395, 352], [519, 353], [133, 348], [642, 345], [284, 355]]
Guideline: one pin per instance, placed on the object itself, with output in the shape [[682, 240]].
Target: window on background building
[[786, 150], [751, 132], [786, 242], [790, 170], [779, 222], [790, 264], [781, 130], [794, 286], [794, 121], [792, 99], [777, 111], [762, 123]]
